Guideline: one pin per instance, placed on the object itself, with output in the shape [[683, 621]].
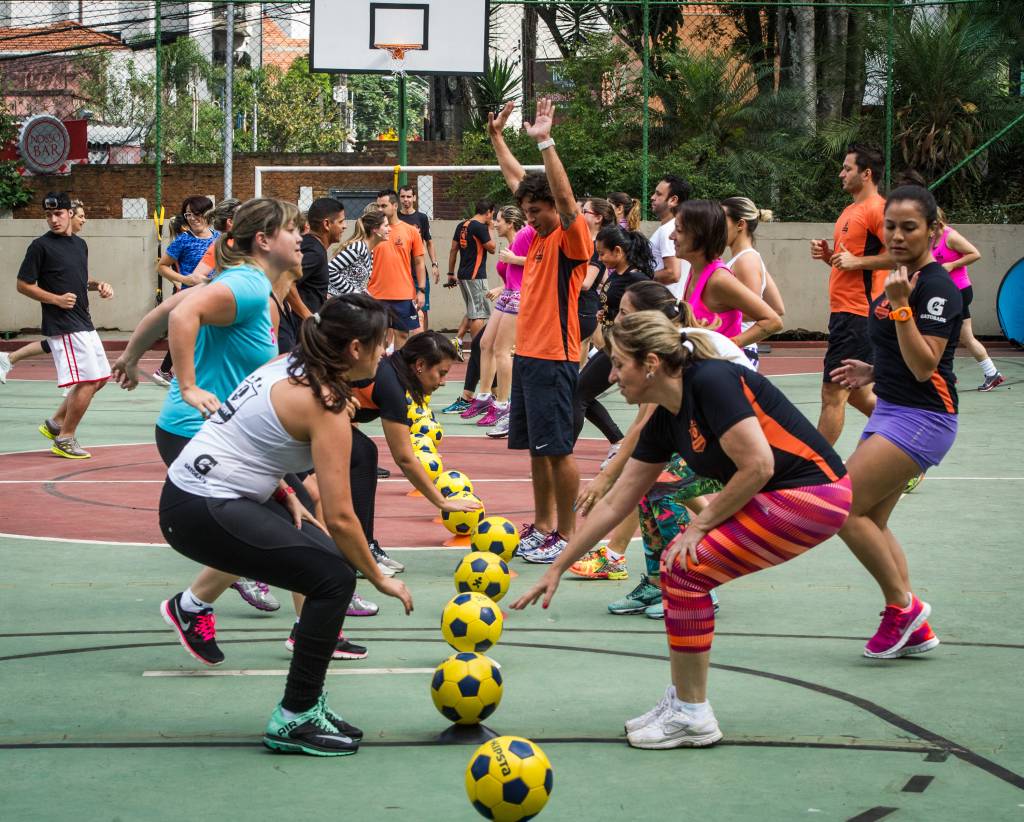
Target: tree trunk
[[448, 107], [805, 68], [856, 69], [832, 62], [1015, 72], [529, 52]]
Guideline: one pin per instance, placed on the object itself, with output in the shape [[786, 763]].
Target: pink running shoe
[[896, 628], [921, 641], [476, 408], [492, 416]]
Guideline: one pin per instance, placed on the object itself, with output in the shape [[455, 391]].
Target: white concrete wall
[[124, 252]]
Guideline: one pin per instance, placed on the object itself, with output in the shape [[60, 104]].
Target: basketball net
[[397, 52]]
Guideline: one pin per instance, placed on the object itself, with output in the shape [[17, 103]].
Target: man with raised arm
[[546, 361]]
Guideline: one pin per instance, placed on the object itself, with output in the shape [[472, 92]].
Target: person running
[[350, 269], [954, 253], [546, 365], [914, 326], [470, 246], [392, 261], [742, 218], [220, 504], [55, 273], [627, 210], [785, 491], [408, 214], [37, 348], [598, 213], [859, 264], [180, 258], [665, 509], [717, 297], [668, 195]]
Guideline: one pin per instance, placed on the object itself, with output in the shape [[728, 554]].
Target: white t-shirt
[[662, 247], [725, 348]]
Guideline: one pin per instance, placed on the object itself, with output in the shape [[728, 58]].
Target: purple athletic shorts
[[507, 302], [925, 436]]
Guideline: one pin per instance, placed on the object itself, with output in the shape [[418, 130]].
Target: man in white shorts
[[669, 270], [55, 272]]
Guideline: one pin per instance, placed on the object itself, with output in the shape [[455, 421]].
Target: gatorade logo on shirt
[[935, 307]]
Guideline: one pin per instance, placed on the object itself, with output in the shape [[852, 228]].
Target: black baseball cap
[[56, 200]]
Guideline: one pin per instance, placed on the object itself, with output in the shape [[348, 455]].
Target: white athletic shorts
[[79, 357]]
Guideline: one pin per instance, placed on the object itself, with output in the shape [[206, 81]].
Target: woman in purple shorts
[[499, 336], [914, 327]]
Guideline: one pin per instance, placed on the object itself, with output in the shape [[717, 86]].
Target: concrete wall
[[123, 252]]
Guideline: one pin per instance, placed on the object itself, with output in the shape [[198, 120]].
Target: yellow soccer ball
[[423, 444], [466, 688], [509, 778], [462, 523], [484, 572], [471, 622], [426, 427], [453, 482], [431, 464], [497, 535]]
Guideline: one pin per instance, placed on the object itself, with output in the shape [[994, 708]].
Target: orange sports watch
[[901, 314]]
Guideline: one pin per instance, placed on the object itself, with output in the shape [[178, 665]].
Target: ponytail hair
[[365, 226], [219, 215], [321, 358], [630, 208], [513, 215], [651, 332], [743, 208], [262, 216], [635, 245], [431, 348], [650, 295]]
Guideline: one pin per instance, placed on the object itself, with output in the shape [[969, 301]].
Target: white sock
[[612, 555], [288, 714], [694, 709], [193, 604], [501, 406], [987, 368], [483, 397]]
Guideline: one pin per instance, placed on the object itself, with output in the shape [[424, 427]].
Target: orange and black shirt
[[383, 396], [548, 327], [718, 394], [859, 231], [938, 312], [470, 238]]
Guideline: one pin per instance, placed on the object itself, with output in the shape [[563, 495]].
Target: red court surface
[[113, 497]]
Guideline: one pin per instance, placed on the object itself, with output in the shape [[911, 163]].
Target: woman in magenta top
[[717, 298], [499, 336], [954, 253]]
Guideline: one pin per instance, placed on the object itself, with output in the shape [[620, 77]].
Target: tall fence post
[[229, 101], [645, 158], [158, 142], [889, 103]]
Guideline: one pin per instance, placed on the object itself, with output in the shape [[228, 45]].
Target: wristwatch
[[901, 314], [434, 264], [421, 290], [543, 144]]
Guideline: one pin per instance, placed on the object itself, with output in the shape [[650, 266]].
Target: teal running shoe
[[309, 732], [639, 599]]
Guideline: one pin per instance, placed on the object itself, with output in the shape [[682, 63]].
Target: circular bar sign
[[44, 144]]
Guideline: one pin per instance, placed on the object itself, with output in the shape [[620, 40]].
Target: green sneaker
[[336, 720], [639, 599], [309, 732], [655, 611], [49, 429]]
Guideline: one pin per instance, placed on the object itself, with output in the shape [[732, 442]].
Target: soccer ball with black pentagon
[[497, 535], [453, 482], [484, 572], [462, 523], [466, 688], [471, 622], [509, 779], [426, 427], [431, 464]]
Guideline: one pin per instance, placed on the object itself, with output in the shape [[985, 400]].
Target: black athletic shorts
[[541, 409], [847, 340], [967, 295], [403, 314], [588, 325]]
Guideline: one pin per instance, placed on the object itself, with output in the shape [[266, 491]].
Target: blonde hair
[[651, 332], [743, 208], [630, 208], [369, 222], [513, 215], [253, 217]]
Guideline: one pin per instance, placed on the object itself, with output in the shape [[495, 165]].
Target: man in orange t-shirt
[[392, 261], [858, 262], [546, 364]]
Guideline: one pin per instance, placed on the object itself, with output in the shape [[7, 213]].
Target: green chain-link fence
[[752, 97]]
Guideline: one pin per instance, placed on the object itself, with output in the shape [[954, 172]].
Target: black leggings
[[362, 474], [250, 539], [473, 366], [593, 382]]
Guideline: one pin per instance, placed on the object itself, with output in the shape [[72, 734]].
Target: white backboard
[[452, 33]]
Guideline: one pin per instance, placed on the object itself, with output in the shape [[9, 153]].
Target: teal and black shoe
[[310, 732]]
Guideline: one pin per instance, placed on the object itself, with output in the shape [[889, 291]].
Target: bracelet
[[543, 144], [451, 273], [434, 264], [421, 290], [281, 494]]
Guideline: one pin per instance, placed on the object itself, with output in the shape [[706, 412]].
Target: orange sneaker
[[921, 641]]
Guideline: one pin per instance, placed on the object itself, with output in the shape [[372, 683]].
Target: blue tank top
[[226, 355]]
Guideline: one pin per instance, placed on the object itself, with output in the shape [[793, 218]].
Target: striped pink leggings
[[772, 528]]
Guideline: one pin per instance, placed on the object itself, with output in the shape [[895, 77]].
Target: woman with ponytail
[[598, 214], [627, 210], [350, 269], [221, 504], [784, 491]]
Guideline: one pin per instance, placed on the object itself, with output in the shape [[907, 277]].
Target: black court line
[[873, 814], [602, 631], [918, 784], [53, 491], [961, 752]]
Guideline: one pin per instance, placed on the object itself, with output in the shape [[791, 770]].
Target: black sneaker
[[309, 733], [196, 632], [383, 473], [343, 650], [339, 723]]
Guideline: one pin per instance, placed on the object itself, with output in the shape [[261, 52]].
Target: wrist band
[[543, 144], [281, 494]]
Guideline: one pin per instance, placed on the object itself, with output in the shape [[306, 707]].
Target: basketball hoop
[[397, 52]]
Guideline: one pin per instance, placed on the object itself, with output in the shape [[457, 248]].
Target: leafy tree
[[13, 189], [376, 105]]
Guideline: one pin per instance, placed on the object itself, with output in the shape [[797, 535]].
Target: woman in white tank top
[[742, 218]]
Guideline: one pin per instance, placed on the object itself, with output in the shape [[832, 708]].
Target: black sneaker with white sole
[[343, 650], [344, 727], [197, 633], [382, 558]]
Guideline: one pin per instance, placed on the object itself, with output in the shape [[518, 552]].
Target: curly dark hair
[[321, 358], [430, 347], [535, 186]]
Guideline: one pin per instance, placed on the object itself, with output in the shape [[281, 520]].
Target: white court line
[[165, 545], [282, 672]]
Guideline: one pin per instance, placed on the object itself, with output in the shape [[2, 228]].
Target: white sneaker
[[647, 718], [388, 572], [5, 366], [676, 729]]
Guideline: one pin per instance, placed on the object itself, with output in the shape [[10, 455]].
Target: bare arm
[[558, 180], [151, 328], [588, 281], [600, 485], [960, 244], [669, 275], [453, 256], [432, 251], [511, 168], [165, 268], [397, 436], [773, 296], [214, 305], [41, 295], [297, 305], [726, 293], [921, 353]]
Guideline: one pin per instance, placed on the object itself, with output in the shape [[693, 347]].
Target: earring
[[649, 375]]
